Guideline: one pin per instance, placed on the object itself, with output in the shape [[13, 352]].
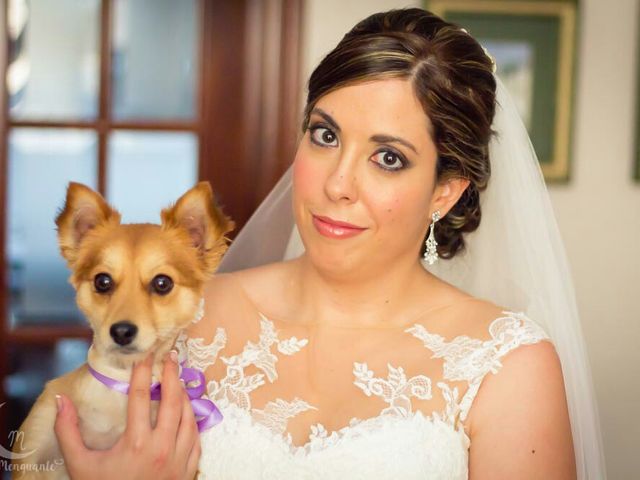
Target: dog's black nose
[[123, 332]]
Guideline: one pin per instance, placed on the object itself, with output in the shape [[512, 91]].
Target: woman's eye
[[103, 283], [389, 160], [162, 284], [323, 136]]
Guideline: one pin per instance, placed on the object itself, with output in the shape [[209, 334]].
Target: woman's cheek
[[387, 200], [305, 174], [400, 211], [387, 207]]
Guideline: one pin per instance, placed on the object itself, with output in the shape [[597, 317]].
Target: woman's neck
[[366, 300]]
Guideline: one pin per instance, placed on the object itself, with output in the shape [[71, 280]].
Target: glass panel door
[[41, 163], [155, 59], [53, 59], [148, 171]]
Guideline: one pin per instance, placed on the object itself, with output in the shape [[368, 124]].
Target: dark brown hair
[[452, 78]]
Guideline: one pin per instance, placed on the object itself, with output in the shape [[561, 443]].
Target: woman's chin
[[335, 261]]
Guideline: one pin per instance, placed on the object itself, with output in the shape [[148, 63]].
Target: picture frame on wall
[[532, 43]]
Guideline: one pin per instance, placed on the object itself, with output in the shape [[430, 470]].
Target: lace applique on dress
[[276, 415], [198, 354], [469, 359], [396, 390], [399, 441], [235, 387], [465, 359]]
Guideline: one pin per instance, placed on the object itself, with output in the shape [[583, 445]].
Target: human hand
[[171, 450]]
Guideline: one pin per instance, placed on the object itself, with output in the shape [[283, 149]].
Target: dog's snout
[[123, 332]]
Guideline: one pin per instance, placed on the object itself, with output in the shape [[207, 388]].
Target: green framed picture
[[532, 43]]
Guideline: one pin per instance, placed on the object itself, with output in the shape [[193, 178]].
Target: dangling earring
[[431, 253]]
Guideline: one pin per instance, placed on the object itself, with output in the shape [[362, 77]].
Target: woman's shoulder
[[489, 322], [467, 316], [524, 373], [483, 337]]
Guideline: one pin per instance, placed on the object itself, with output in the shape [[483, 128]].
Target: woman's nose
[[341, 184]]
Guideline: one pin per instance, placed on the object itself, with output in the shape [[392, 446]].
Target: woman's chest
[[296, 391]]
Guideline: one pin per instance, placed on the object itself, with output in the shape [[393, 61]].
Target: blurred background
[[142, 98]]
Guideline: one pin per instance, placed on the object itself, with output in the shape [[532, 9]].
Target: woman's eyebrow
[[327, 118], [381, 138]]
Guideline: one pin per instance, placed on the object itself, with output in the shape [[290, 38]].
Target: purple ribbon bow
[[204, 409]]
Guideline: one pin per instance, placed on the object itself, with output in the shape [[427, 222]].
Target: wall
[[599, 216], [598, 211]]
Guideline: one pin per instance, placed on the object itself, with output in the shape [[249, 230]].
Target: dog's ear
[[83, 210], [197, 213]]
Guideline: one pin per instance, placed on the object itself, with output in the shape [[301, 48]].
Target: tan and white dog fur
[[187, 248]]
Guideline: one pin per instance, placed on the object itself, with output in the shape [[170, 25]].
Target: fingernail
[[174, 356], [59, 403]]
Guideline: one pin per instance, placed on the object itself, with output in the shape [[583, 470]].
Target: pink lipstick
[[335, 229]]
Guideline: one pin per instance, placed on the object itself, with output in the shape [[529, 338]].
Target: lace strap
[[507, 334], [470, 359]]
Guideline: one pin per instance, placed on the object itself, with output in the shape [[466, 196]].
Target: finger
[[138, 406], [194, 459], [187, 430], [171, 402], [68, 434]]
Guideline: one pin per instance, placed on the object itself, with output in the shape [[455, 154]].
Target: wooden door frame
[[3, 220], [250, 110]]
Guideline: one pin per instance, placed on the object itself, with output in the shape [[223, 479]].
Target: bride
[[400, 305]]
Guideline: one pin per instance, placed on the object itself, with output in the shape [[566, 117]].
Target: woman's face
[[366, 159]]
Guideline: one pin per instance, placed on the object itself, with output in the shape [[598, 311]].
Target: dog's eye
[[162, 284], [103, 282]]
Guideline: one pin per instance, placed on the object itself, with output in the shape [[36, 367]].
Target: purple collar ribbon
[[207, 414]]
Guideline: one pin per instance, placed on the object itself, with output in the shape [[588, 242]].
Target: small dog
[[138, 285]]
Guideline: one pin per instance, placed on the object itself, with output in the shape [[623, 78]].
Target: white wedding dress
[[394, 400]]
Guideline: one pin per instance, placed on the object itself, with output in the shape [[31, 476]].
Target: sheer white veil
[[515, 258]]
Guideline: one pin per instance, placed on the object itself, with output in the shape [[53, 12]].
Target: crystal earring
[[431, 253]]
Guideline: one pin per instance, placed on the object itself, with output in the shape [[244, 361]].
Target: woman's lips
[[335, 229]]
